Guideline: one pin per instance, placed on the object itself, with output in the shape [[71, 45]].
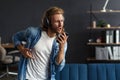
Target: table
[[8, 45]]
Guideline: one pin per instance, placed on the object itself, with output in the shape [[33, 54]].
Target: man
[[44, 52]]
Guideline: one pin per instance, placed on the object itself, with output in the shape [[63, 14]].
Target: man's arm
[[62, 41]]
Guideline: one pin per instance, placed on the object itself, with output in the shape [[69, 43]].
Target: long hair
[[46, 20]]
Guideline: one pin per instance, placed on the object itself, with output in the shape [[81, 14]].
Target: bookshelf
[[107, 50]]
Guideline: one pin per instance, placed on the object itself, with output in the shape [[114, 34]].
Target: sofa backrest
[[73, 72], [104, 71], [96, 71]]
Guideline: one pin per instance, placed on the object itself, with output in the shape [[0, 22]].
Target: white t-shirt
[[37, 68]]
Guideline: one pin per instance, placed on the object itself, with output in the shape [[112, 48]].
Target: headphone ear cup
[[46, 22]]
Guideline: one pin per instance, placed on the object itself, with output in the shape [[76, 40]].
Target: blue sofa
[[90, 71]]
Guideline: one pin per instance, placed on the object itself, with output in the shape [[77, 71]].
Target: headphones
[[46, 22]]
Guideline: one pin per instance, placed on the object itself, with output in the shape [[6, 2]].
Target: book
[[111, 36], [101, 53], [110, 52], [115, 52], [117, 36], [107, 36]]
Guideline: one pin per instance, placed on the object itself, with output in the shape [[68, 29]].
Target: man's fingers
[[29, 55]]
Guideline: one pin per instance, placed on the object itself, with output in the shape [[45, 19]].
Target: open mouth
[[59, 30]]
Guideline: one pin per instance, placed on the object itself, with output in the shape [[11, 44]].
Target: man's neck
[[51, 34]]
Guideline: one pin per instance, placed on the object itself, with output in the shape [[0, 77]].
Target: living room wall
[[16, 15]]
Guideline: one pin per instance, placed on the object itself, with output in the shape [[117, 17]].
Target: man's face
[[57, 23]]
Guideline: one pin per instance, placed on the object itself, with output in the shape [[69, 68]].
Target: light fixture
[[104, 7], [108, 10]]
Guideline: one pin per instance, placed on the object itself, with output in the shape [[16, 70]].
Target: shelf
[[107, 11], [103, 44], [93, 60], [105, 28]]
